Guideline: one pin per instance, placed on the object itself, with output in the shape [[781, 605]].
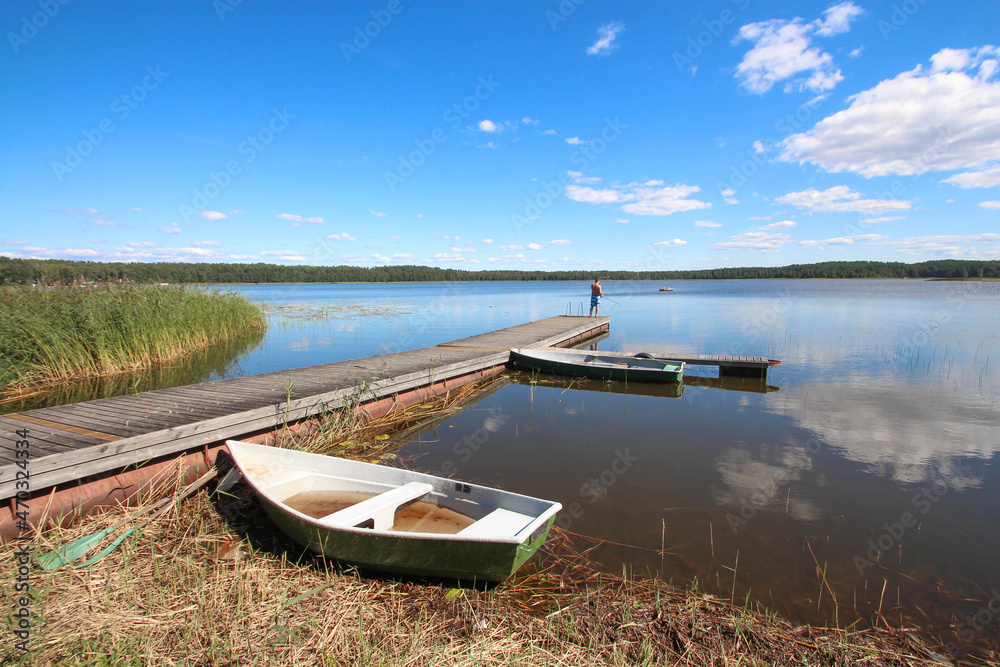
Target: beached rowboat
[[595, 365], [394, 520]]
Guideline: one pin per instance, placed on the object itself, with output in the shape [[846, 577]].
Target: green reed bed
[[55, 335]]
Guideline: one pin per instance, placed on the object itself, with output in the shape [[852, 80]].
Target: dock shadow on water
[[718, 483]]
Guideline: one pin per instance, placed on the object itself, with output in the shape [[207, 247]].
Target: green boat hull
[[412, 555], [667, 373]]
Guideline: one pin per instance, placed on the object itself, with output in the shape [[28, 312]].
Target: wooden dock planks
[[73, 441]]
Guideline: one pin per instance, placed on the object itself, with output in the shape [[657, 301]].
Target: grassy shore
[[213, 582], [52, 336]]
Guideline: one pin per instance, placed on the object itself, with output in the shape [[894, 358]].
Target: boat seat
[[381, 509], [498, 523]]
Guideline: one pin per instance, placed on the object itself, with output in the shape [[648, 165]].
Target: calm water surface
[[870, 454]]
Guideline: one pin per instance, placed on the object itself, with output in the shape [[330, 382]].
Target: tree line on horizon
[[67, 272]]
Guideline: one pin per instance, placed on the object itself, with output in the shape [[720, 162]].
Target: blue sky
[[527, 135]]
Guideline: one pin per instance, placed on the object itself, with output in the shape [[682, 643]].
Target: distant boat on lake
[[667, 289]]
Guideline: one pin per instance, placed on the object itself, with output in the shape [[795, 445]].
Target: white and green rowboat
[[595, 365], [394, 520]]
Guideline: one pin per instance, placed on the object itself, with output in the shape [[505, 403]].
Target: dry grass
[[212, 582]]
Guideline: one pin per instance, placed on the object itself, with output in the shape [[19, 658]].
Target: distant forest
[[57, 271]]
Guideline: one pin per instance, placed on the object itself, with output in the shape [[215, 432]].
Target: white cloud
[[205, 244], [108, 223], [574, 141], [783, 51], [529, 121], [947, 245], [648, 198], [534, 246], [343, 236], [298, 218], [378, 214], [707, 223], [463, 250], [142, 244], [402, 255], [992, 205], [606, 36], [589, 195], [578, 177], [664, 200], [777, 225], [512, 247], [884, 218], [284, 255], [728, 192], [844, 240], [487, 241], [393, 237], [754, 241], [841, 199], [938, 119], [986, 178], [558, 242], [489, 126], [447, 257], [619, 221], [213, 215], [171, 230], [674, 242]]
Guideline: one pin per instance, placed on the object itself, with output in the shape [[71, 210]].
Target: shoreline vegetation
[[55, 336], [213, 581], [56, 271]]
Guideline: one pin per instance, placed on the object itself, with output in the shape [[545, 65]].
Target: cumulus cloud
[[489, 126], [558, 242], [574, 141], [939, 118], [606, 36], [298, 218], [205, 244], [777, 225], [534, 246], [619, 221], [487, 241], [171, 230], [992, 205], [986, 178], [754, 241], [707, 223], [783, 51], [841, 199], [343, 236], [647, 198], [213, 215], [378, 214], [673, 242], [844, 240], [284, 255]]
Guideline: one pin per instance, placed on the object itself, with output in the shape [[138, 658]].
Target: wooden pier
[[71, 442]]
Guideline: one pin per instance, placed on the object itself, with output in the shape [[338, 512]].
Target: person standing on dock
[[595, 297]]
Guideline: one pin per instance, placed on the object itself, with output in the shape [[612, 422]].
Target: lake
[[859, 479]]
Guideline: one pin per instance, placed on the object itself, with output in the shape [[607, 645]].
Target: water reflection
[[218, 361], [755, 491]]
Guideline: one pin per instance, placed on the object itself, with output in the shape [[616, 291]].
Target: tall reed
[[55, 335]]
